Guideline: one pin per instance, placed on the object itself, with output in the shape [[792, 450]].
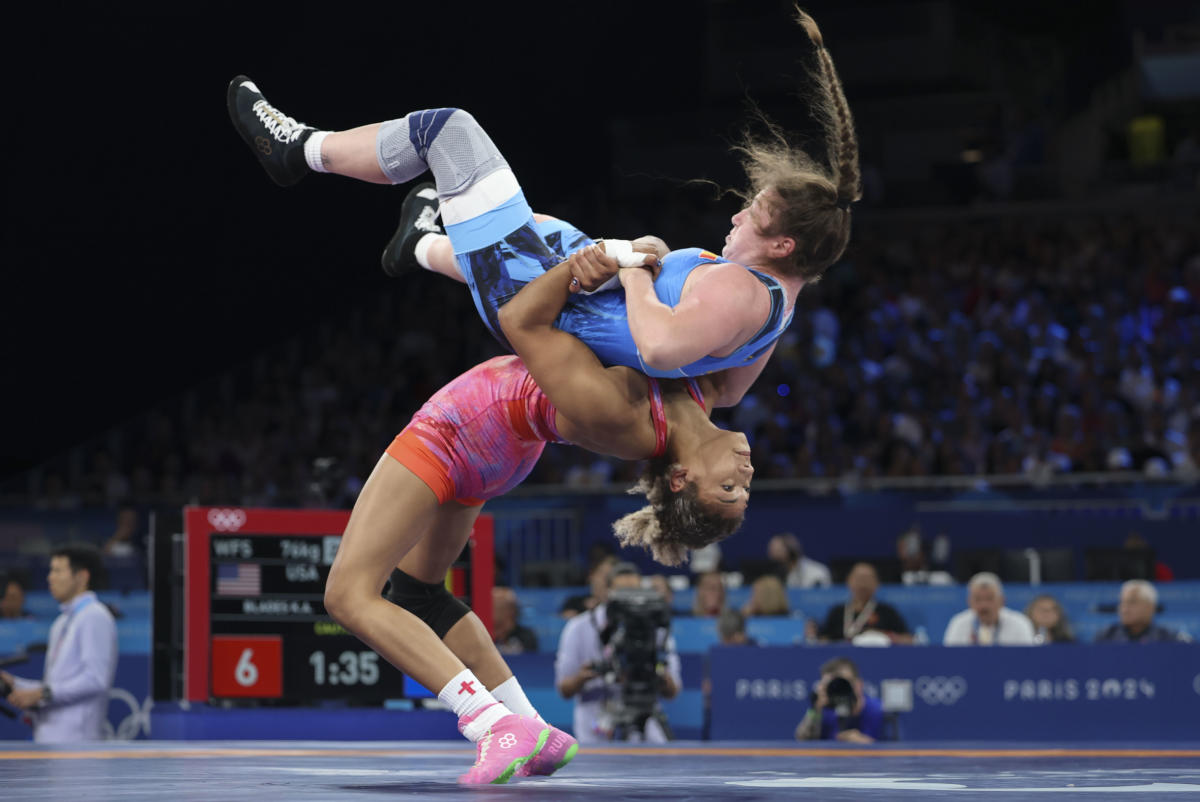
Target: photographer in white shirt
[[70, 703], [581, 647]]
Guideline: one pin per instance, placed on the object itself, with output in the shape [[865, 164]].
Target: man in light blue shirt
[[71, 702], [580, 647]]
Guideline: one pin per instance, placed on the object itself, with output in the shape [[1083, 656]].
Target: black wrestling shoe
[[418, 217], [277, 139]]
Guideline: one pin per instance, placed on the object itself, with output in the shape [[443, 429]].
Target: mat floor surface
[[261, 770]]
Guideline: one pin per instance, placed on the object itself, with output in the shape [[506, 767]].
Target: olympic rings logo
[[507, 741], [226, 520], [941, 690], [135, 724]]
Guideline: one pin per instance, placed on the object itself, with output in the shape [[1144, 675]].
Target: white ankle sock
[[312, 151], [510, 694], [467, 696], [422, 250]]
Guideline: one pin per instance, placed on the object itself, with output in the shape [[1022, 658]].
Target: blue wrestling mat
[[705, 771]]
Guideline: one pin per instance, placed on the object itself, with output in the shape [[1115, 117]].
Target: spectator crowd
[[1010, 346]]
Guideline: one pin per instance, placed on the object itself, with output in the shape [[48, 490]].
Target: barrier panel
[[1102, 692]]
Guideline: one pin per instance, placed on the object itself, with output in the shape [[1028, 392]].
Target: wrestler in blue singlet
[[500, 248], [497, 271]]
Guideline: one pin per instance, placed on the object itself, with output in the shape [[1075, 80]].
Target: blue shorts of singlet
[[502, 250]]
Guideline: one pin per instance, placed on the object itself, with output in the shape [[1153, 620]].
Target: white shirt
[[81, 663], [1012, 629], [579, 645], [809, 574], [926, 578]]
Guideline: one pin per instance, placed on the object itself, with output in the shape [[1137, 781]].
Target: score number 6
[[246, 673]]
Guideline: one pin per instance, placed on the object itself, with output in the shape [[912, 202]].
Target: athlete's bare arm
[[602, 408], [728, 386], [592, 267], [725, 306]]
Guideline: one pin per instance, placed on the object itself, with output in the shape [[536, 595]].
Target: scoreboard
[[255, 625]]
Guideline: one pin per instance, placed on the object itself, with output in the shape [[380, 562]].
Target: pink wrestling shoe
[[510, 743], [560, 748]]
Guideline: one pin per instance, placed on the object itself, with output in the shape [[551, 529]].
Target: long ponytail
[[808, 202]]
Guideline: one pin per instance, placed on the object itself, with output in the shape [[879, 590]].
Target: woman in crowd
[[1050, 622]]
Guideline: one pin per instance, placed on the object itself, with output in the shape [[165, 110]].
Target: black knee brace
[[431, 603]]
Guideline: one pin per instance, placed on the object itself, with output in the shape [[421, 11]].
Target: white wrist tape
[[622, 251]]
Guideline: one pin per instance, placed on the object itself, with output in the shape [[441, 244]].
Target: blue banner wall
[[1068, 692]]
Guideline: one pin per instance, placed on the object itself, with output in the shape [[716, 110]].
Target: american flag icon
[[239, 579]]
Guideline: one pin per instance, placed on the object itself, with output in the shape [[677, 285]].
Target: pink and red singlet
[[480, 435]]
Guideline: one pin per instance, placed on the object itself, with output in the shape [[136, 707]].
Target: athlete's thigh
[[394, 512], [431, 557]]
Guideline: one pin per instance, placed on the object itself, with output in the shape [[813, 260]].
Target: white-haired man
[[1139, 602], [987, 622]]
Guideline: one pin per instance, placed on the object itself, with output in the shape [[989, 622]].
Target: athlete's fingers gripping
[[590, 268]]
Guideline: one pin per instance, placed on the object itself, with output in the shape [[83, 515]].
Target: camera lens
[[841, 695]]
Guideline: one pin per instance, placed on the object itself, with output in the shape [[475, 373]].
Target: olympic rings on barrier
[[941, 690]]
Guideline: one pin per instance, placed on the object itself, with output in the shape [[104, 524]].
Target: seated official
[[731, 629], [839, 708], [987, 622], [862, 612], [1139, 602], [508, 633]]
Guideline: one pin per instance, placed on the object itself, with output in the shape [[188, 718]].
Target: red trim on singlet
[[659, 416]]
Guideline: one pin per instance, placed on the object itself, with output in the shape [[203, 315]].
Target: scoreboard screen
[[255, 621]]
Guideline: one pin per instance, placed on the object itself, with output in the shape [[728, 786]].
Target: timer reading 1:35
[[350, 668]]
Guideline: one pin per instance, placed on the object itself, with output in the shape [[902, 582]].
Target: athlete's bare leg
[[429, 561], [352, 154], [394, 513]]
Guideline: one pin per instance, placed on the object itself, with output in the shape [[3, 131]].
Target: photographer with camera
[[839, 709], [71, 702], [617, 660]]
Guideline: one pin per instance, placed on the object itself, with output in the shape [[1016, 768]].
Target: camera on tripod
[[633, 639]]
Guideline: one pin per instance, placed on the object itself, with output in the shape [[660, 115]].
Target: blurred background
[[1003, 369]]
